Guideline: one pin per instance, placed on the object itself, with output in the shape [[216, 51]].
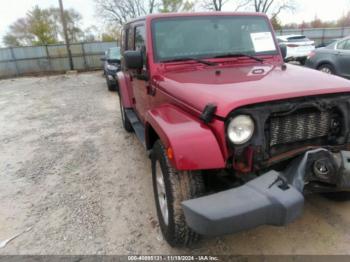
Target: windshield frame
[[156, 59]]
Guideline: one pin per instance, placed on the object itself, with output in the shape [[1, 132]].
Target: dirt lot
[[83, 185]]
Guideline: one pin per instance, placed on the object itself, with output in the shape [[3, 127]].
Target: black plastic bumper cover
[[262, 201]]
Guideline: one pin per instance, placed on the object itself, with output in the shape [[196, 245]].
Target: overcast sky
[[11, 10]]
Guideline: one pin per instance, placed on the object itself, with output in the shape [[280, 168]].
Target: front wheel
[[171, 187], [125, 120], [327, 68]]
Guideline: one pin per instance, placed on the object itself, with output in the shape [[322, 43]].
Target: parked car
[[235, 136], [327, 42], [332, 59], [298, 47], [111, 66]]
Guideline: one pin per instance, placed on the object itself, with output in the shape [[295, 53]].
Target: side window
[[130, 44], [140, 39], [341, 45], [347, 45], [122, 41]]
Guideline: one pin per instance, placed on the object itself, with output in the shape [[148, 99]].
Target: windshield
[[210, 36], [114, 53]]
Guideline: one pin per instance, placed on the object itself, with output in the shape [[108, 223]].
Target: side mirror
[[283, 48], [133, 59]]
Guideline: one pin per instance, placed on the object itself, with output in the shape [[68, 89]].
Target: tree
[[73, 19], [42, 27], [214, 5], [344, 20], [168, 6], [19, 34], [276, 23], [120, 11], [274, 7], [11, 40]]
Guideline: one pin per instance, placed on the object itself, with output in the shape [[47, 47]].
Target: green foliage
[[42, 27], [276, 23], [107, 37]]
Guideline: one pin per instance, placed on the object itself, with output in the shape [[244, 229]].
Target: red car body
[[188, 104], [184, 89]]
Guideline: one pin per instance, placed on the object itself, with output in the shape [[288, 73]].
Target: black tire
[[178, 186], [125, 121], [302, 61], [111, 86], [338, 196], [327, 68]]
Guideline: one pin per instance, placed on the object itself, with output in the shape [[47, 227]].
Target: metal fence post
[[323, 35], [84, 56], [14, 60], [48, 57]]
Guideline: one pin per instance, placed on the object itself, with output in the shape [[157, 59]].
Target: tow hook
[[321, 168], [320, 165]]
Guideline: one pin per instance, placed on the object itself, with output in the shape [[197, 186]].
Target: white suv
[[298, 47]]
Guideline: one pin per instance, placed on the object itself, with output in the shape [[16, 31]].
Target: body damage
[[257, 132]]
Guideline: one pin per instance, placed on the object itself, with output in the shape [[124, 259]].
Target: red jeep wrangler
[[235, 136]]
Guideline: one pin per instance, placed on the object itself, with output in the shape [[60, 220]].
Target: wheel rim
[[162, 199], [326, 70]]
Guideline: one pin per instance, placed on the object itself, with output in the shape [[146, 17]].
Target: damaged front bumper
[[274, 198]]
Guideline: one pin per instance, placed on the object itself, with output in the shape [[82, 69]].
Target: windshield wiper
[[189, 59], [240, 55]]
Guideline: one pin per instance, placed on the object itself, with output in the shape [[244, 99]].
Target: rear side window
[[129, 43], [140, 39], [123, 39], [344, 45], [296, 39]]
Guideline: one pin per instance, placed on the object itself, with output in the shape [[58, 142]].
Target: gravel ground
[[82, 185]]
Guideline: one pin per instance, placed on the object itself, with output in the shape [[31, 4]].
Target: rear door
[[343, 58]]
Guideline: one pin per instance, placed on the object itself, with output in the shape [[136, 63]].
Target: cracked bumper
[[274, 198]]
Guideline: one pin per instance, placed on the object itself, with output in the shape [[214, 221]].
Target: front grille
[[299, 126]]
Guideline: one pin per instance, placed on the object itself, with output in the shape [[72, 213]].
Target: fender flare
[[193, 144], [125, 90]]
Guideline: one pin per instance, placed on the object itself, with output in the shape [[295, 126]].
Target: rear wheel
[[171, 187], [302, 61], [327, 68], [125, 120]]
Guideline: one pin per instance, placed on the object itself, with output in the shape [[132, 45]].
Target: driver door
[[139, 79]]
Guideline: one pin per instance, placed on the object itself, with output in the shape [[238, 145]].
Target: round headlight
[[240, 130]]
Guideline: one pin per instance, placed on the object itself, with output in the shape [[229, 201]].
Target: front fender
[[193, 143]]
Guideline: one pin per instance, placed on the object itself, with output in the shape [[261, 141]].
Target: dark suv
[[111, 66]]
